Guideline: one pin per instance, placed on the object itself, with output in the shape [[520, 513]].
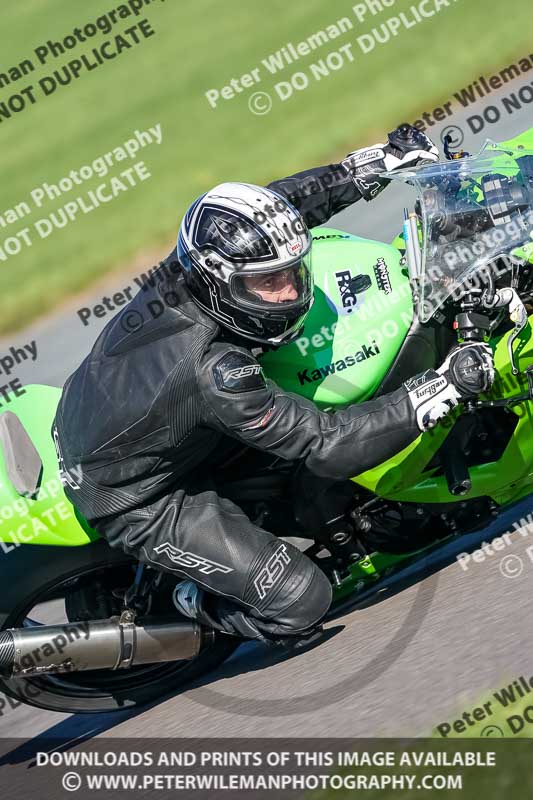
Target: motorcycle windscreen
[[473, 211]]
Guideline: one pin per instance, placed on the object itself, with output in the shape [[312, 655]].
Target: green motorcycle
[[84, 628]]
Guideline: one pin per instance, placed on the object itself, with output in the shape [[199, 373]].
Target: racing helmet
[[246, 256]]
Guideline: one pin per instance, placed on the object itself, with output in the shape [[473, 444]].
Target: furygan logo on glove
[[431, 388], [364, 156]]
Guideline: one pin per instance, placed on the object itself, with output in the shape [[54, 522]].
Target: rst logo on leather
[[238, 372], [308, 376], [191, 560], [350, 286], [272, 571], [244, 372]]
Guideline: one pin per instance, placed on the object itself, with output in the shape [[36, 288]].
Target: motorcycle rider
[[155, 405]]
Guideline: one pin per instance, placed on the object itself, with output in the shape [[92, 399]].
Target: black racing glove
[[467, 371], [406, 147], [470, 367]]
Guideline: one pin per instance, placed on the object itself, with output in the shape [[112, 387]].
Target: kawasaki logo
[[307, 376]]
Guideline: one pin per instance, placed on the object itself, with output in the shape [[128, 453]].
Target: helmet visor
[[286, 287]]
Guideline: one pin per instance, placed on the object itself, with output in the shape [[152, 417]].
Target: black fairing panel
[[423, 348]]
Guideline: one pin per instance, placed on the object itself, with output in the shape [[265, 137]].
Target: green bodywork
[[343, 356], [49, 518], [405, 476]]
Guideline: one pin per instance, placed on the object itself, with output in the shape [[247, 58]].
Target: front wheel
[[55, 585]]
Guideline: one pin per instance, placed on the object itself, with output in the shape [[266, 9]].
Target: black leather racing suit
[[148, 411]]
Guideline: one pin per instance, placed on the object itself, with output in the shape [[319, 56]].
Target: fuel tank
[[362, 312]]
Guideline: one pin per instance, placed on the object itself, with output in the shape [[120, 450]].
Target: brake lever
[[520, 324], [509, 402], [517, 313]]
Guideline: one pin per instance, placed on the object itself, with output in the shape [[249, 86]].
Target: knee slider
[[312, 605]]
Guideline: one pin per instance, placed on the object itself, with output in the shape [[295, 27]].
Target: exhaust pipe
[[114, 643]]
